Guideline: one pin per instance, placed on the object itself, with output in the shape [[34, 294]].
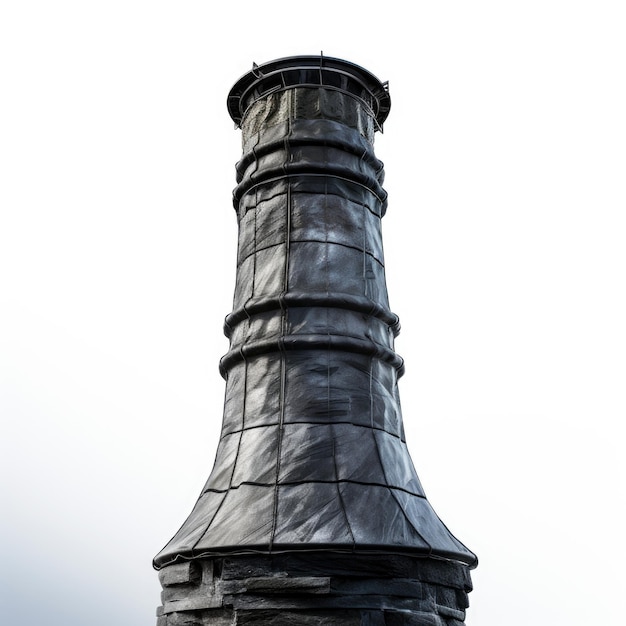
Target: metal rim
[[281, 74]]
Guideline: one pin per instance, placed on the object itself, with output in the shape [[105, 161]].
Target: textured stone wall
[[325, 589]]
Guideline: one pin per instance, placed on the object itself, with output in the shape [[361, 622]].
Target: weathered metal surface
[[312, 455]]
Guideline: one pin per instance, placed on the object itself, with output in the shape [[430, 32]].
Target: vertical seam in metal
[[328, 359], [281, 345]]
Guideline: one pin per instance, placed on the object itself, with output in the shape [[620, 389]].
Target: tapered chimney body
[[313, 510]]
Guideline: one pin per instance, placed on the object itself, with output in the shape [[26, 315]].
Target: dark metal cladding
[[312, 455]]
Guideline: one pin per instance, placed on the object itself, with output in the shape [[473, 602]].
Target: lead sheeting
[[312, 453]]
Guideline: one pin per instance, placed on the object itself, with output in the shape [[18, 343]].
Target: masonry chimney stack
[[313, 513]]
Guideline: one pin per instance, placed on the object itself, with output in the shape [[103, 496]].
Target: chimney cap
[[311, 71]]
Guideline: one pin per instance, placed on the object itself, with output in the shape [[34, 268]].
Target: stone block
[[299, 618], [278, 584], [193, 603], [395, 587], [449, 612], [462, 599], [180, 574], [183, 619], [401, 618], [446, 596]]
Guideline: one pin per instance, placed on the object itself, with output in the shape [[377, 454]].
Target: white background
[[505, 154]]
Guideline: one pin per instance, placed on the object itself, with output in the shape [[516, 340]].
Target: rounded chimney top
[[309, 71]]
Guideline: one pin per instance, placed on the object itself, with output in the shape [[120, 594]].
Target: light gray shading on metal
[[312, 454]]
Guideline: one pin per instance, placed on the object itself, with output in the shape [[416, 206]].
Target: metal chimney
[[313, 513]]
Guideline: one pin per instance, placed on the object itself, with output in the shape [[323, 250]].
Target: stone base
[[326, 589]]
